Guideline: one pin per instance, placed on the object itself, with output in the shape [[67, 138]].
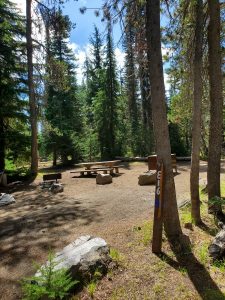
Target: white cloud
[[120, 58], [21, 4], [73, 46], [167, 85], [80, 54]]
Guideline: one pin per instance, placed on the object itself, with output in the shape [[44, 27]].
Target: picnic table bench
[[94, 171], [99, 166], [53, 176], [116, 168]]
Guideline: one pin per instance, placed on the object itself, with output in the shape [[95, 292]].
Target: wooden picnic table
[[99, 166], [107, 164]]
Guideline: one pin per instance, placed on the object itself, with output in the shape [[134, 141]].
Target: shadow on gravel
[[39, 224]]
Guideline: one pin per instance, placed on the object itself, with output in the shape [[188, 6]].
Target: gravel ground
[[39, 220]]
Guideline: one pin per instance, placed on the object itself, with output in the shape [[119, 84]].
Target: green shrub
[[115, 255], [49, 284], [220, 264], [203, 253], [91, 287]]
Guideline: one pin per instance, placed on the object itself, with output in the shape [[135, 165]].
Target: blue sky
[[80, 35], [85, 22], [84, 28], [79, 38]]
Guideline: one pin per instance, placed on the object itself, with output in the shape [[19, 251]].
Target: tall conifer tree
[[216, 104], [62, 110], [31, 91], [12, 79]]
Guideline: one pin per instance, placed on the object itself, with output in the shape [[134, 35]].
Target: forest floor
[[40, 221]]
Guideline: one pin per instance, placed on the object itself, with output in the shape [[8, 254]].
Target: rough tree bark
[[216, 104], [32, 100], [196, 119], [2, 145], [163, 149]]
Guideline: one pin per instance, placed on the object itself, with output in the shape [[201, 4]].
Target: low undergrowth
[[50, 283]]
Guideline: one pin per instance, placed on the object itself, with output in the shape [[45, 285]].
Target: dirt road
[[39, 220]]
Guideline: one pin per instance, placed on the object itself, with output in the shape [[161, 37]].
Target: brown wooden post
[[158, 212]]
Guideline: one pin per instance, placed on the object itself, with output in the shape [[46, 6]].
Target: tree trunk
[[196, 119], [2, 145], [216, 103], [32, 101], [163, 149], [131, 86], [54, 161]]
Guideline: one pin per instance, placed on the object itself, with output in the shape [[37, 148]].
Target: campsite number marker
[[158, 212]]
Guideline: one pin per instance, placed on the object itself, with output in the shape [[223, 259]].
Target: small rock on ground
[[217, 248], [147, 178], [103, 179]]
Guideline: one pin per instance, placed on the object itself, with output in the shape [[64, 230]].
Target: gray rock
[[217, 248], [6, 199], [103, 179], [83, 256], [147, 178], [56, 188]]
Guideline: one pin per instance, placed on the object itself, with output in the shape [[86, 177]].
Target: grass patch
[[91, 288], [158, 288], [119, 293], [148, 276], [185, 215], [219, 264], [202, 253], [116, 255], [92, 285], [145, 232], [183, 270]]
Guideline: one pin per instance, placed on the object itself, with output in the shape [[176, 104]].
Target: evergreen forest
[[156, 89], [46, 114]]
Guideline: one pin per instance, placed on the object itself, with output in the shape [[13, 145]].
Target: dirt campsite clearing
[[40, 221]]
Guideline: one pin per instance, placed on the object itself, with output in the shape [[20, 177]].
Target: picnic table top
[[105, 163]]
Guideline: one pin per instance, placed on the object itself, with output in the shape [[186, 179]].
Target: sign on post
[[158, 212]]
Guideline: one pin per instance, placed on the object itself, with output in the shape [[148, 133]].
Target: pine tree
[[62, 109], [106, 101], [12, 82], [131, 81], [216, 104], [196, 120], [93, 72], [95, 65], [163, 149], [140, 41], [31, 90]]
